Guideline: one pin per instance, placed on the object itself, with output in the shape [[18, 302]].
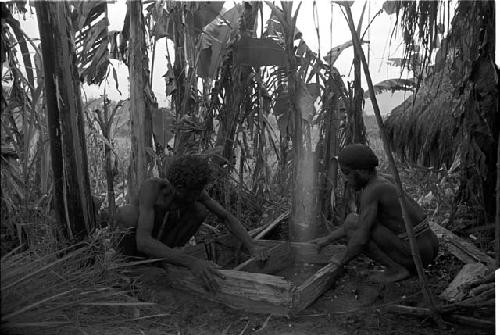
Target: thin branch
[[383, 135]]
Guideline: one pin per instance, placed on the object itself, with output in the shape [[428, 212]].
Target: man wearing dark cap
[[379, 230]]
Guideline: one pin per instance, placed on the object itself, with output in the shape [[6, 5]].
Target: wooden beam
[[307, 253], [315, 286], [253, 292], [262, 231], [280, 257], [463, 250], [459, 287]]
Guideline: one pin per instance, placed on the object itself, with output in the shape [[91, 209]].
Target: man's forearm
[[239, 231], [355, 247], [155, 248], [336, 234]]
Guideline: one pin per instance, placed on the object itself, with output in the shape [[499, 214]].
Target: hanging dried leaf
[[207, 12], [163, 25], [304, 102], [259, 52], [314, 89], [162, 126], [344, 3], [214, 41], [393, 85], [390, 7], [332, 55], [90, 26], [115, 77], [170, 82]]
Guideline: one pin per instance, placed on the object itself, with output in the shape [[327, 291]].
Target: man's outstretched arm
[[234, 226], [152, 247], [367, 218]]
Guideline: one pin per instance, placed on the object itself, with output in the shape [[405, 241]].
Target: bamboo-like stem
[[392, 164], [153, 63], [497, 216]]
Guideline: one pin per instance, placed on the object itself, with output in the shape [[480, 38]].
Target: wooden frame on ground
[[251, 285]]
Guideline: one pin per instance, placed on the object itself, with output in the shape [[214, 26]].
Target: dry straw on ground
[[79, 287]]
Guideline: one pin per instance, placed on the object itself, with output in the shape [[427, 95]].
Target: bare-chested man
[[168, 212], [379, 230]]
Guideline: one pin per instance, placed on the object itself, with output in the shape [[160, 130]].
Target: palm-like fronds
[[393, 85], [90, 25]]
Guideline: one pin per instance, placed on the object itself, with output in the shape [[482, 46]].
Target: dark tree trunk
[[300, 228], [72, 195], [140, 110], [237, 83], [179, 75], [358, 126], [105, 122], [330, 168], [358, 130]]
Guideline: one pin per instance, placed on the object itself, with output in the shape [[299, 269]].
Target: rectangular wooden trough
[[293, 277]]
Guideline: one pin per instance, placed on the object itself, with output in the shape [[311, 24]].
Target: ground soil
[[352, 306]]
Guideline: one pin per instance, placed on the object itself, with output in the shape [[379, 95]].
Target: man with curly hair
[[168, 212]]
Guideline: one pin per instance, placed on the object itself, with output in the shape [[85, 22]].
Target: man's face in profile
[[353, 177]]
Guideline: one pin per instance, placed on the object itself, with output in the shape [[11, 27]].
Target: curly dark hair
[[189, 171]]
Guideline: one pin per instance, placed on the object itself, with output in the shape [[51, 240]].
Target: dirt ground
[[352, 306]]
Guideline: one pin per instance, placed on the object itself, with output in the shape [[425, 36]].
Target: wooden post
[[105, 120], [65, 110], [138, 110], [383, 135], [53, 123], [358, 126]]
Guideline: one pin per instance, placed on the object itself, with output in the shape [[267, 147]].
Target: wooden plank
[[315, 286], [268, 228], [280, 257], [273, 224], [304, 252], [252, 292], [457, 290], [463, 250], [307, 253]]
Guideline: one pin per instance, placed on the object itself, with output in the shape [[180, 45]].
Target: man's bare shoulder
[[379, 187], [156, 183], [151, 189]]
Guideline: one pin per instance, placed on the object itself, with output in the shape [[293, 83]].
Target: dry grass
[[79, 287]]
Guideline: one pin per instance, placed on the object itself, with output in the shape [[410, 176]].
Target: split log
[[314, 287], [458, 288], [481, 289], [463, 250], [426, 312], [409, 310], [280, 257], [471, 322], [284, 254], [261, 232], [250, 287], [253, 292]]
